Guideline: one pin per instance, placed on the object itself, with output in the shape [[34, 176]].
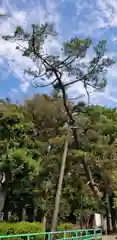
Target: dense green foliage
[[32, 171], [20, 228], [27, 227]]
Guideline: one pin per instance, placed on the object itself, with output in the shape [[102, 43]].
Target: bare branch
[[85, 76], [36, 85], [64, 62], [76, 98], [87, 92]]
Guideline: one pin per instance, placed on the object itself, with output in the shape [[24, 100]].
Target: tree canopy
[[32, 171]]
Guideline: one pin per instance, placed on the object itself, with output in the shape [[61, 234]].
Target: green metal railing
[[84, 234]]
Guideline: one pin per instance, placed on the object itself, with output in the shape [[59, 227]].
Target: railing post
[[101, 232], [94, 232], [64, 235], [28, 237], [86, 233], [49, 236]]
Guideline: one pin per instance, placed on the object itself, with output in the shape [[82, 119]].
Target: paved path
[[113, 237]]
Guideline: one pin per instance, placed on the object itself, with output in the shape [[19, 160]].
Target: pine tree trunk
[[59, 188]]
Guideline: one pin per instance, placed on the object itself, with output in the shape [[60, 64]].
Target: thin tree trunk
[[59, 188], [2, 200], [48, 224], [44, 223], [108, 216], [113, 213], [20, 214], [6, 209], [39, 215], [30, 213]]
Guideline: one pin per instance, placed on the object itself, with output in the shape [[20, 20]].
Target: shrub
[[65, 226], [21, 228], [11, 228], [27, 227]]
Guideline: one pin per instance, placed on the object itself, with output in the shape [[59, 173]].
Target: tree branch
[[44, 85], [85, 86], [85, 76]]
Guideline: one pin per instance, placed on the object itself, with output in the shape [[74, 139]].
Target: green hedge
[[20, 228], [27, 227]]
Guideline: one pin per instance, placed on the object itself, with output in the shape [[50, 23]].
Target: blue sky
[[96, 19]]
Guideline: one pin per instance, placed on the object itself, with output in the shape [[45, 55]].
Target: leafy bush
[[20, 228], [65, 226], [11, 228], [27, 227]]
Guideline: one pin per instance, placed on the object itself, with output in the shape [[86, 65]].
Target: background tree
[[32, 171]]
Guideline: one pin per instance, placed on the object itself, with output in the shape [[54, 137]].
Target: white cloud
[[33, 13], [16, 62], [24, 86], [99, 14]]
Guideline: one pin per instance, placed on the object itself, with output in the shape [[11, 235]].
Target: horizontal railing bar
[[21, 235], [88, 235], [76, 230], [58, 232], [91, 235], [78, 237]]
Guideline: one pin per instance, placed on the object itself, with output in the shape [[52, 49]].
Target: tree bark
[[48, 224], [6, 209], [2, 200], [59, 188], [113, 213], [108, 216], [30, 214], [20, 214], [39, 215]]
